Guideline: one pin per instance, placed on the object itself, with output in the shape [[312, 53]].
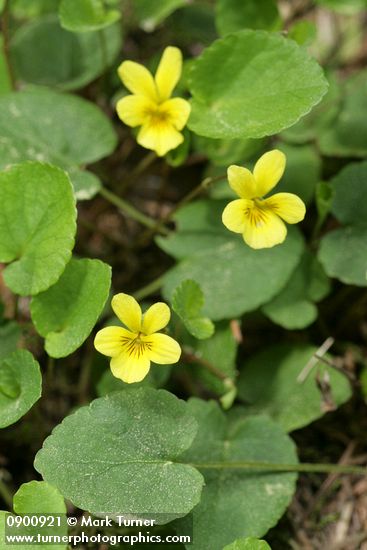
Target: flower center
[[136, 346], [157, 115], [257, 214]]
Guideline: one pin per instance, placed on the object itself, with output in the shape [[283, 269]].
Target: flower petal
[[168, 72], [138, 79], [128, 311], [268, 171], [109, 340], [132, 109], [288, 206], [155, 318], [130, 368], [242, 182], [160, 137], [234, 215], [265, 234], [164, 350], [178, 111]]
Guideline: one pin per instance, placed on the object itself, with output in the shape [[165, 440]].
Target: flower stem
[[270, 467], [6, 42], [6, 495], [139, 169], [130, 210], [205, 184], [149, 289]]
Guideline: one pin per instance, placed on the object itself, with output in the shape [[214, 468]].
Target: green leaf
[[249, 543], [303, 32], [268, 384], [36, 497], [198, 228], [150, 14], [155, 378], [66, 130], [294, 307], [9, 337], [220, 351], [118, 456], [37, 226], [224, 513], [22, 375], [38, 59], [86, 15], [350, 194], [343, 254], [234, 83], [66, 313], [187, 302], [302, 171], [346, 135], [193, 23], [233, 265], [235, 15], [310, 127], [223, 152]]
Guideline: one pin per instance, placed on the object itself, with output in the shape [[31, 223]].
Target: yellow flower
[[261, 220], [133, 349], [150, 106]]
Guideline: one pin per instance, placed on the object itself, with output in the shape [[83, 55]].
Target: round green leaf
[[66, 313], [235, 84], [249, 543], [118, 456], [233, 268], [343, 254], [350, 194], [268, 384], [37, 225], [9, 336], [66, 130], [302, 172], [293, 308], [150, 14], [346, 135], [86, 15], [22, 370], [36, 497], [38, 58], [237, 502], [235, 15]]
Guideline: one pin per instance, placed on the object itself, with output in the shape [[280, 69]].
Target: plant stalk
[[130, 210]]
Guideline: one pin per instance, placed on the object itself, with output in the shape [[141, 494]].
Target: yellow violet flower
[[260, 220], [133, 348], [151, 107]]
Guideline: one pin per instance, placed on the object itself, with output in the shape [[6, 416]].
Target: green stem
[[149, 289], [130, 210], [205, 184], [139, 169], [6, 495], [6, 42], [270, 467]]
